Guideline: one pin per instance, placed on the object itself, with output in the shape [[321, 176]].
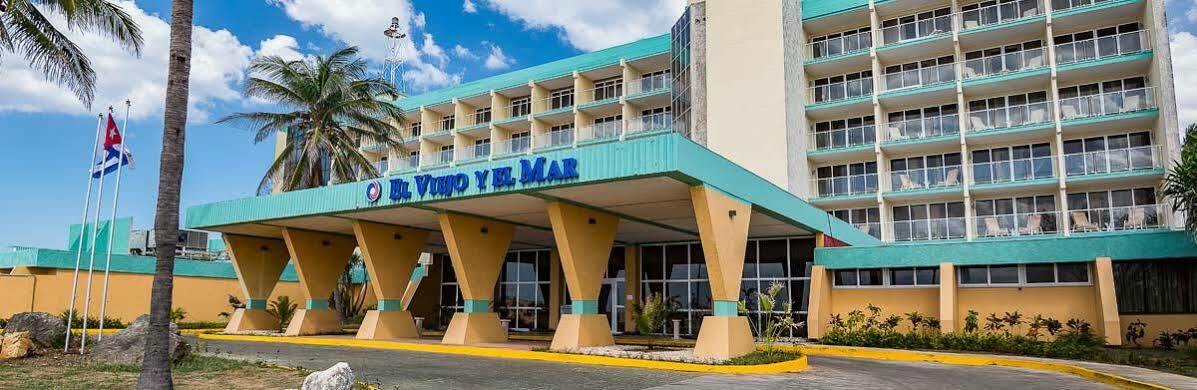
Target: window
[[1004, 59], [521, 141], [842, 87], [1156, 287], [997, 11], [654, 81], [451, 299], [482, 116], [523, 290], [844, 133], [448, 122], [848, 179], [608, 127], [521, 106], [679, 63], [653, 119], [1113, 153], [1105, 98], [920, 73], [1101, 43], [933, 171], [1115, 210], [867, 220], [887, 277], [1027, 215], [482, 147], [1027, 275], [1009, 111], [1015, 163], [917, 26], [922, 123], [842, 42], [608, 89], [415, 129], [561, 98], [937, 221], [562, 134]]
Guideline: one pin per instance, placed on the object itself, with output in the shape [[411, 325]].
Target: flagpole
[[82, 231], [116, 199], [92, 263]]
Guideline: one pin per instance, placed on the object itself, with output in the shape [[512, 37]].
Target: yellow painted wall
[[892, 301], [1061, 303], [1157, 323]]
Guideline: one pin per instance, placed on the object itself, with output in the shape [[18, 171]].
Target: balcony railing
[[1020, 224], [514, 145], [1102, 47], [917, 29], [556, 138], [922, 77], [476, 151], [844, 138], [931, 127], [1118, 218], [920, 178], [653, 122], [1006, 63], [999, 13], [846, 185], [1113, 160], [600, 131], [930, 229], [438, 158], [1109, 103], [1010, 116], [1006, 171], [381, 166], [518, 110], [1060, 5], [660, 82], [844, 90], [851, 43], [870, 228], [406, 163], [557, 103], [609, 92]]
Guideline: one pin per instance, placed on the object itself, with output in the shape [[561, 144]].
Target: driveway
[[392, 369]]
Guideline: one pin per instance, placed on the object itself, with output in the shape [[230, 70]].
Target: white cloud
[[424, 76], [433, 51], [497, 60], [218, 65], [1184, 71], [463, 52], [468, 7], [591, 25], [284, 46], [419, 21]]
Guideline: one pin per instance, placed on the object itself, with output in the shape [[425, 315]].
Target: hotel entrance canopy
[[645, 181]]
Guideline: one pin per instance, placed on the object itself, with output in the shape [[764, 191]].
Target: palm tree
[[155, 366], [25, 30], [1180, 184], [333, 107]]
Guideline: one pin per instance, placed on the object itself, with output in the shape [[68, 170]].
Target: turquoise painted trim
[[1015, 184], [476, 306], [1126, 245], [814, 9], [316, 304], [844, 198], [837, 103], [510, 120], [1151, 112], [255, 304], [1010, 130], [561, 68], [899, 45], [662, 91], [998, 78], [553, 111], [931, 140], [372, 148], [435, 134], [1091, 7], [120, 236], [727, 308], [418, 273], [473, 127], [1002, 25], [823, 152], [390, 305], [916, 90], [923, 191], [837, 57], [1144, 55], [584, 306], [1116, 175], [597, 103]]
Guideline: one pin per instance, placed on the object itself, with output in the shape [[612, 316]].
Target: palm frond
[[50, 51], [99, 16]]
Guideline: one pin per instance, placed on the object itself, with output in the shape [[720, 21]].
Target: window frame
[[1022, 276]]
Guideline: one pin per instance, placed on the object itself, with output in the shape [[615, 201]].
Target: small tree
[[652, 314], [970, 321], [1180, 184], [779, 319], [283, 309]]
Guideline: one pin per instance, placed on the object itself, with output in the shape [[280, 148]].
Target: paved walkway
[[418, 370]]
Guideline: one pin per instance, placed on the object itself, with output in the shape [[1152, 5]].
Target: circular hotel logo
[[374, 191]]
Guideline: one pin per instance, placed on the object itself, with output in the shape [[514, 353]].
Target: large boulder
[[128, 346], [46, 330], [338, 377], [15, 345]]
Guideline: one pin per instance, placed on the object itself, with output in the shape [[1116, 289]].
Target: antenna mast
[[393, 65]]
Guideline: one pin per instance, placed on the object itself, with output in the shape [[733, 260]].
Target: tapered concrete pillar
[[948, 302], [476, 247], [258, 262], [1107, 301], [723, 229], [818, 313], [320, 259], [584, 239], [390, 253]]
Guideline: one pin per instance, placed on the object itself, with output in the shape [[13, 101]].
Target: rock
[[16, 345], [128, 346], [338, 377], [46, 330]]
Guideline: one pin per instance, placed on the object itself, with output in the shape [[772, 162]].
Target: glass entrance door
[[611, 302]]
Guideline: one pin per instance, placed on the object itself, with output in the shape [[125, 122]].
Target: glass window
[[1041, 273], [1003, 274], [927, 276], [1072, 272], [652, 260], [845, 277], [974, 275], [901, 276], [870, 277], [773, 255]]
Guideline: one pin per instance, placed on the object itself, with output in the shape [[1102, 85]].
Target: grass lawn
[[55, 370]]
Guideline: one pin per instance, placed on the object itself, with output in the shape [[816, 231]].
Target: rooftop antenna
[[393, 65]]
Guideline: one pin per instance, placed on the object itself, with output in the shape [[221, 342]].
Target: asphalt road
[[391, 369]]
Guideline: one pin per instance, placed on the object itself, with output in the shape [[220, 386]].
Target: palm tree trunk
[[155, 366]]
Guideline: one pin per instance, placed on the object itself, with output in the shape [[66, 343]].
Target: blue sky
[[49, 135]]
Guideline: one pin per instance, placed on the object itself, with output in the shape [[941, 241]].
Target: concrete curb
[[974, 360], [181, 331], [796, 365]]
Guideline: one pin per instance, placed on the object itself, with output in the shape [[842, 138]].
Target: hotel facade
[[919, 155]]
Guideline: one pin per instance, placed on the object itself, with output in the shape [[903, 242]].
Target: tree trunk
[[155, 367]]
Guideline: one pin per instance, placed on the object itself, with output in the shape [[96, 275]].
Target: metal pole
[[92, 263], [116, 199], [82, 230]]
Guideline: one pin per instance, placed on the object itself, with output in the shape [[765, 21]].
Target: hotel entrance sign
[[530, 171]]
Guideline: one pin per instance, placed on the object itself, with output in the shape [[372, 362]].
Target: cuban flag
[[115, 153]]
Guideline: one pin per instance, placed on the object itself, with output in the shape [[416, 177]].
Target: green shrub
[[652, 314], [283, 309], [764, 357], [781, 320], [177, 314]]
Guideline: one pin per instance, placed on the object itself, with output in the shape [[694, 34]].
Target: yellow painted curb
[[774, 368], [182, 331], [972, 360]]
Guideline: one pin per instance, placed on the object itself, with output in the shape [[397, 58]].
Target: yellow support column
[[631, 258], [258, 262], [1111, 324], [390, 254], [584, 239], [723, 229], [819, 311], [320, 259], [555, 296], [947, 298], [476, 247]]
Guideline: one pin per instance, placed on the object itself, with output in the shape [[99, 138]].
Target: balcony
[[1142, 158], [511, 146], [1061, 5], [1108, 219], [922, 128], [1102, 47], [1110, 103], [999, 13], [870, 228], [381, 166], [600, 131], [403, 164], [1013, 170], [851, 185], [843, 138], [648, 124], [1010, 117], [916, 30], [1018, 224], [648, 85], [563, 137], [845, 45], [602, 95], [1004, 64], [922, 77], [443, 157], [930, 229], [925, 178], [841, 91], [474, 152]]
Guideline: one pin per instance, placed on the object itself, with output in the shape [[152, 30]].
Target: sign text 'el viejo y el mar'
[[529, 171]]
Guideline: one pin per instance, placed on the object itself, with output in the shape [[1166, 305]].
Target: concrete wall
[[892, 301], [1061, 303], [1157, 323]]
